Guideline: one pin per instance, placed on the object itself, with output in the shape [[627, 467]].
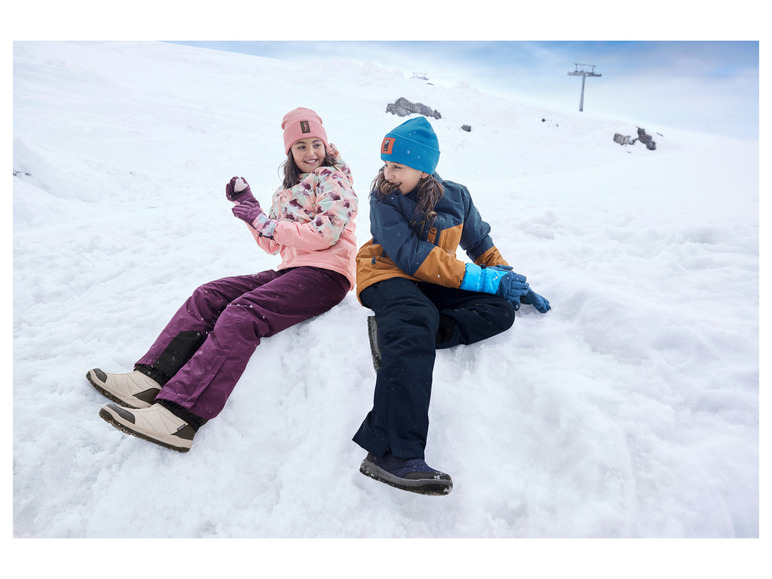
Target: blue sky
[[707, 86], [689, 65]]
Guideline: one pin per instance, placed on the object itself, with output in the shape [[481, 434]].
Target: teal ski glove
[[499, 280], [534, 299], [512, 286], [482, 279]]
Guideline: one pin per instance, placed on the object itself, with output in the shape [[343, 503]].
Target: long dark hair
[[291, 173], [430, 191]]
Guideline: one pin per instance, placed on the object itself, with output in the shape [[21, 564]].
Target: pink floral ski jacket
[[316, 221]]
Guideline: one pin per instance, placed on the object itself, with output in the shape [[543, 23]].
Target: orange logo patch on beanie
[[387, 146]]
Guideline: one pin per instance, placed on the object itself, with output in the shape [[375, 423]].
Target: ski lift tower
[[583, 70]]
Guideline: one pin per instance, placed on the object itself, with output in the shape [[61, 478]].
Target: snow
[[631, 410]]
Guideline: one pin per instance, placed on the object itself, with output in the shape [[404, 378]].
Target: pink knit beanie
[[301, 124]]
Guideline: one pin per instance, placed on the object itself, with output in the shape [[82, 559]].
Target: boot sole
[[107, 416], [107, 394], [438, 486]]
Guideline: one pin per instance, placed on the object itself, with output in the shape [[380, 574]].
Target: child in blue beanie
[[423, 298]]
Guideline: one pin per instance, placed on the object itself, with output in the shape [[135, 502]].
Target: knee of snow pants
[[280, 300], [186, 331], [468, 317]]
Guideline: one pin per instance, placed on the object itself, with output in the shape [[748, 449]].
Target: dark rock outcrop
[[403, 107], [643, 137]]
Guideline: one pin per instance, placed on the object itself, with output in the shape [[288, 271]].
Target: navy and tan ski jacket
[[404, 245]]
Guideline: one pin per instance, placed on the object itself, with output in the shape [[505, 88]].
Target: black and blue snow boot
[[412, 474]]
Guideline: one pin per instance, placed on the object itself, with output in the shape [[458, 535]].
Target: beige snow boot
[[133, 390], [155, 424]]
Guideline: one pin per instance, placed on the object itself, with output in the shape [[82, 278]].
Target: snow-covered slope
[[629, 410]]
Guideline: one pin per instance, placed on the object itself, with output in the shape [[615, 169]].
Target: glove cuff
[[481, 279]]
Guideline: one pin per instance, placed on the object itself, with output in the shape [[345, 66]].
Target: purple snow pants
[[204, 349]]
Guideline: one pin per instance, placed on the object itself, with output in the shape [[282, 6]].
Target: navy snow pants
[[414, 320], [203, 350]]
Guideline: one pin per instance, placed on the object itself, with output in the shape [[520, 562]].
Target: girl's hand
[[252, 215], [237, 190]]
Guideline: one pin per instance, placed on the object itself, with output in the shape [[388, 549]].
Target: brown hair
[[430, 191], [291, 172]]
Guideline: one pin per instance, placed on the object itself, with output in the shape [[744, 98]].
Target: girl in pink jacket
[[187, 375]]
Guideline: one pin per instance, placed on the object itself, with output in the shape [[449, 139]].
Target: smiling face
[[404, 177], [308, 154]]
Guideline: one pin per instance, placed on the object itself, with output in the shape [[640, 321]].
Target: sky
[[705, 86], [663, 64]]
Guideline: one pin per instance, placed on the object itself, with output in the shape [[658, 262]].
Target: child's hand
[[498, 279], [247, 211], [238, 189], [534, 299], [252, 215], [512, 285]]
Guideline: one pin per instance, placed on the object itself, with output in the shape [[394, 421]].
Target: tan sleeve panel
[[491, 257], [442, 268]]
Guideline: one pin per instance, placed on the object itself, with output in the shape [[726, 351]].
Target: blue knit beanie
[[413, 143]]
